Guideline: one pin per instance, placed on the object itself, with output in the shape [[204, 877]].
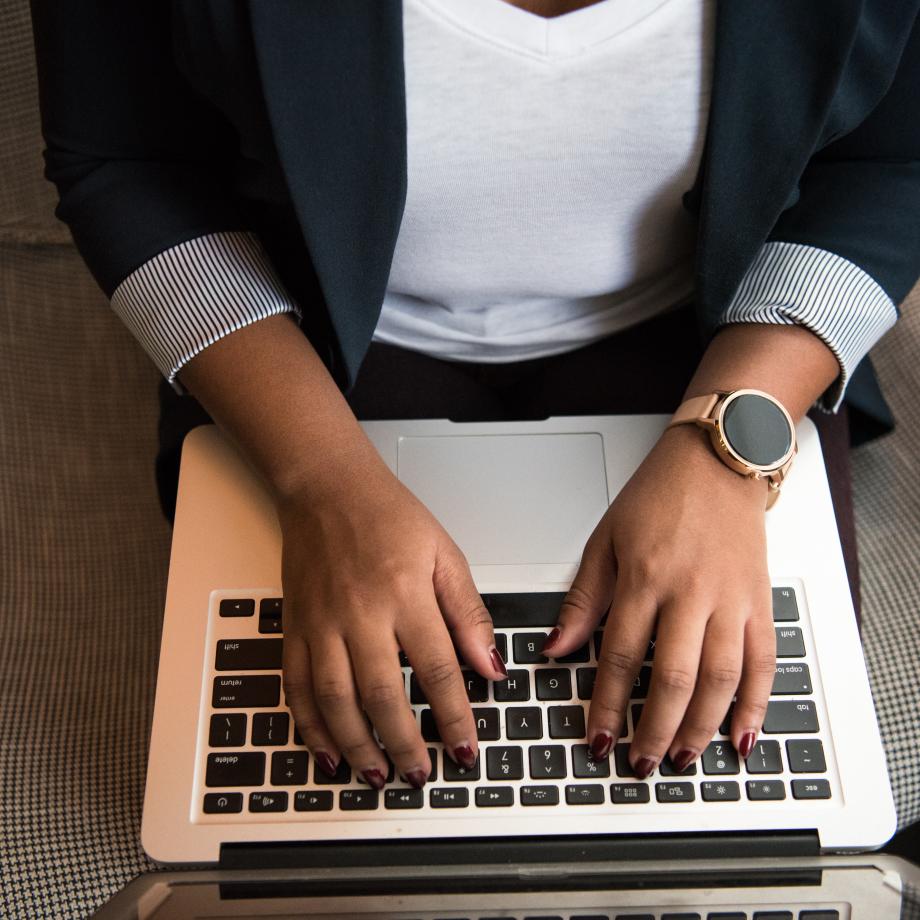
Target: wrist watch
[[751, 432]]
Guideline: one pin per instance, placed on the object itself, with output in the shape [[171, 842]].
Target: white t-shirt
[[546, 163]]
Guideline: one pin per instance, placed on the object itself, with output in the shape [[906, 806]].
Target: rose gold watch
[[751, 432]]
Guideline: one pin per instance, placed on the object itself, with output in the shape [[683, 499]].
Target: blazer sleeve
[[842, 258], [142, 167]]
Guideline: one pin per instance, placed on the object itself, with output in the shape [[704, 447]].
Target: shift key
[[789, 642], [254, 691], [248, 655]]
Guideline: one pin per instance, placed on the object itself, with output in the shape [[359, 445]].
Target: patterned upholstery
[[83, 547]]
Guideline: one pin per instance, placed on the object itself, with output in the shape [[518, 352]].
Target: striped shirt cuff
[[796, 284], [189, 296]]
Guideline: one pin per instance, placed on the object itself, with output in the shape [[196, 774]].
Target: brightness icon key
[[725, 791]]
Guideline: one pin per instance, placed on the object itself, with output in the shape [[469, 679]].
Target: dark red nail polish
[[416, 778], [326, 763], [600, 746], [552, 638], [644, 767], [683, 760], [464, 755], [747, 745], [374, 778], [497, 662]]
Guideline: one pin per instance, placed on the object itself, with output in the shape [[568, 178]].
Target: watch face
[[756, 429]]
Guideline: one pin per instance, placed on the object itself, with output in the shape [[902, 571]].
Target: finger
[[629, 626], [298, 694], [382, 689], [587, 600], [757, 674], [465, 614], [336, 696], [681, 626], [427, 644], [716, 683]]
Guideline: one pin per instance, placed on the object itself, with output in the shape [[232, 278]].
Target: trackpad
[[510, 499]]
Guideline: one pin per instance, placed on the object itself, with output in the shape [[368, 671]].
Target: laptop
[[229, 785]]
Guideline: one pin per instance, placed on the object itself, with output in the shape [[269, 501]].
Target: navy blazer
[[287, 118]]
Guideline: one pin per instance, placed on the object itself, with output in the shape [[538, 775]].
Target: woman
[[560, 207]]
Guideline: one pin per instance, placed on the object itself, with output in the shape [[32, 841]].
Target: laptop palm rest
[[520, 499]]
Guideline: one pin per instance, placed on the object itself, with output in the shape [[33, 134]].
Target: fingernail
[[747, 745], [552, 638], [417, 778], [600, 746], [374, 778], [683, 759], [326, 763], [497, 662], [644, 767], [464, 755]]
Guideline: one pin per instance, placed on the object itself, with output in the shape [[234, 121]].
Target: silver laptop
[[229, 784]]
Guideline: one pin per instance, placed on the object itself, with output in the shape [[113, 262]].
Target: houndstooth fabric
[[83, 548]]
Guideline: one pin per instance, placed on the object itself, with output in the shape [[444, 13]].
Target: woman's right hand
[[367, 570]]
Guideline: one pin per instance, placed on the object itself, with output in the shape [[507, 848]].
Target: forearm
[[266, 387]]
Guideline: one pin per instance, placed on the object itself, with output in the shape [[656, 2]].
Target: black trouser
[[644, 369]]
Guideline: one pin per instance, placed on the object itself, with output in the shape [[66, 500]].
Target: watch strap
[[695, 408]]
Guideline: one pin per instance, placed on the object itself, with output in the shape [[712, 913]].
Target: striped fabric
[[793, 283], [191, 295]]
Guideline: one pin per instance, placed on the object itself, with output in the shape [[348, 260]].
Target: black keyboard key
[[720, 757], [494, 796], [391, 773], [726, 791], [223, 803], [584, 680], [289, 768], [598, 641], [515, 689], [488, 723], [636, 710], [501, 643], [553, 683], [240, 769], [227, 730], [681, 916], [547, 762], [675, 792], [791, 678], [726, 727], [270, 728], [566, 722], [828, 913], [629, 793], [539, 795], [454, 772], [785, 609], [270, 625], [726, 915], [252, 692], [429, 727], [433, 757], [811, 789], [477, 687], [806, 756], [416, 694], [268, 801], [621, 758], [772, 915], [585, 794], [791, 716], [341, 776], [524, 609], [404, 798], [789, 642], [307, 800], [270, 607], [584, 766], [763, 790], [527, 647], [504, 762], [578, 656], [248, 655], [667, 768], [765, 758], [641, 683], [359, 799], [232, 607], [456, 797], [523, 723]]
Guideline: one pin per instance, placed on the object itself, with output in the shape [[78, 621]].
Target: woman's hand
[[367, 570], [681, 552]]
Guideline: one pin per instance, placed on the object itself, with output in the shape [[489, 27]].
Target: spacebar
[[525, 608]]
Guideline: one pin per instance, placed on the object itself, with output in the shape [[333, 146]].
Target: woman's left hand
[[680, 553]]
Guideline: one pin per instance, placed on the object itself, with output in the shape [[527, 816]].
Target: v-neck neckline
[[567, 35]]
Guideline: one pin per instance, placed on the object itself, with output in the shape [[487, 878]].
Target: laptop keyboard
[[533, 751]]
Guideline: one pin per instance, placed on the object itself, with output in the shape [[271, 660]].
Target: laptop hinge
[[517, 850]]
